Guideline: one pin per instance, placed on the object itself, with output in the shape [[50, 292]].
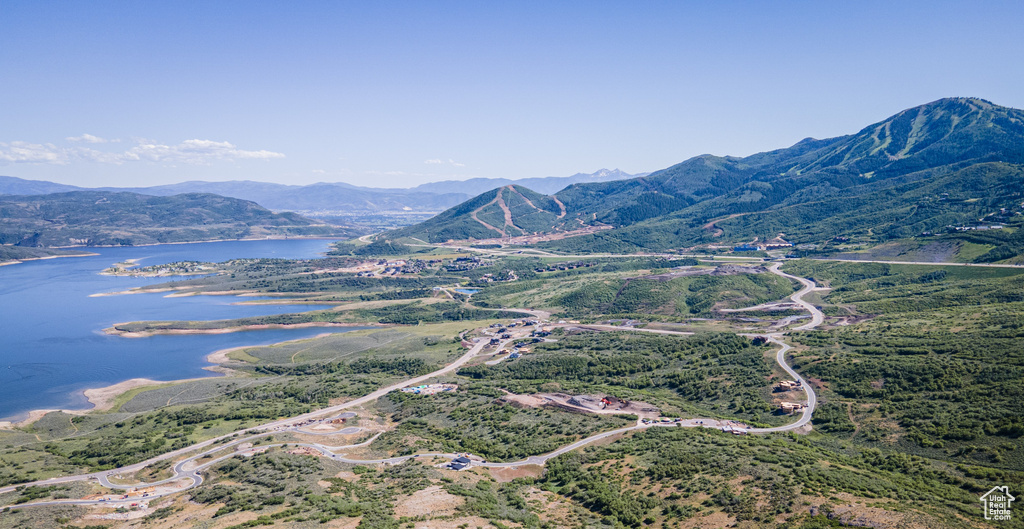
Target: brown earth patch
[[305, 451], [506, 474], [526, 401], [553, 508], [712, 520], [432, 501], [471, 522], [817, 382], [345, 523]]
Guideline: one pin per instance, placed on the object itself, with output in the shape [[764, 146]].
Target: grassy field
[[388, 343]]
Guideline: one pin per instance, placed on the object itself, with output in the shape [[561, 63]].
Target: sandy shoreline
[[102, 399], [209, 241], [183, 293], [34, 416], [132, 291], [225, 330], [19, 261], [176, 292]]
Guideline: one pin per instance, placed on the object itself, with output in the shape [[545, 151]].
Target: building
[[787, 385], [790, 407], [460, 463]]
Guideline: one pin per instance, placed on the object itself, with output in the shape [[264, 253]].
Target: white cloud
[[438, 161], [319, 171], [88, 138], [24, 152], [194, 152]]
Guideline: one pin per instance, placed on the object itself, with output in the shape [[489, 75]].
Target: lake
[[53, 345]]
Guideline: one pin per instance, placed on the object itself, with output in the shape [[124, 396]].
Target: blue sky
[[393, 94]]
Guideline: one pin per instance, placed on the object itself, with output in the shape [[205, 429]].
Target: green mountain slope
[[508, 211], [950, 162], [82, 218]]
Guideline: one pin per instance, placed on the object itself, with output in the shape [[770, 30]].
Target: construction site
[[584, 403]]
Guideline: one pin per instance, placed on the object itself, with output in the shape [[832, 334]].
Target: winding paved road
[[817, 318], [183, 470]]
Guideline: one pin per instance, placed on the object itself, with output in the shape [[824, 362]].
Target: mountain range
[[954, 161], [332, 198]]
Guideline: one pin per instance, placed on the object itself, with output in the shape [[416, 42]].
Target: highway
[[184, 472]]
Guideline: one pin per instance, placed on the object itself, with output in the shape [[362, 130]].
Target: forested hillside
[[90, 218]]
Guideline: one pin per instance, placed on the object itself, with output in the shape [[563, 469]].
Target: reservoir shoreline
[[49, 366], [103, 398], [27, 259], [252, 239], [225, 330]]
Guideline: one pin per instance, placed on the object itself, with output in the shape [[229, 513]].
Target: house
[[790, 407], [459, 463], [787, 385]]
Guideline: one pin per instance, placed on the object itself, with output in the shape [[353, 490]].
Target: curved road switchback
[[817, 318], [183, 470]]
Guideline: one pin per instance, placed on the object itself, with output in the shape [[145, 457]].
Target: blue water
[[52, 344], [467, 291]]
